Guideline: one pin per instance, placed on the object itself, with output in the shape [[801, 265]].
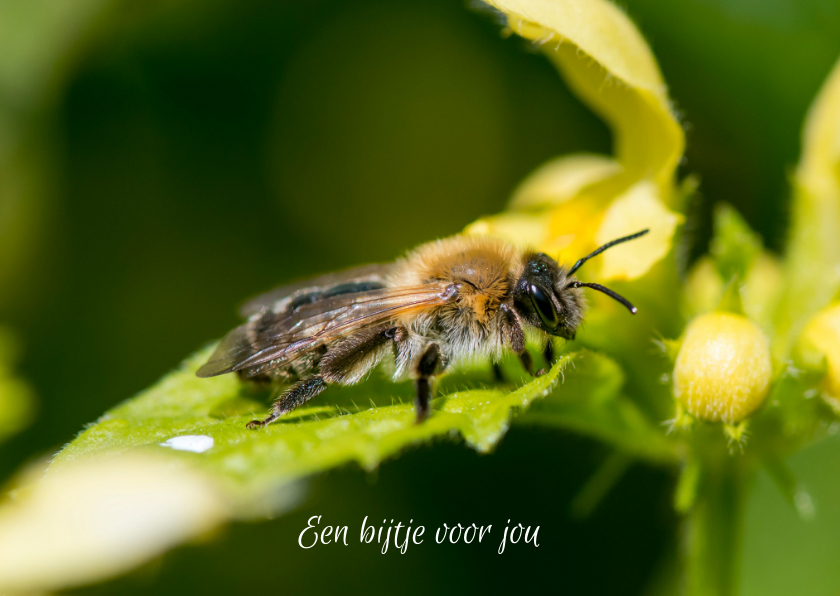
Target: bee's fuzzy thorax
[[484, 270], [479, 260]]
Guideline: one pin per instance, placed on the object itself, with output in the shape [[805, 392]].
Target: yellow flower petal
[[561, 179], [821, 138], [520, 229], [571, 228], [639, 208], [812, 264], [723, 368], [607, 63], [96, 519], [821, 338]]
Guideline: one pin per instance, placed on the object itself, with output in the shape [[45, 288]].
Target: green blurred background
[[161, 161]]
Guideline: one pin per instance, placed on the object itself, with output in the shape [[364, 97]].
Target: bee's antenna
[[602, 249], [607, 291]]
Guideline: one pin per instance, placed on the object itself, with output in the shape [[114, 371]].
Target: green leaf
[[794, 492], [254, 472], [365, 424], [602, 481], [734, 246], [591, 403], [796, 413], [730, 301], [686, 490]]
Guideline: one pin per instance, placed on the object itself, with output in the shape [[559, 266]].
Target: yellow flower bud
[[821, 337], [703, 287], [762, 288], [723, 368]]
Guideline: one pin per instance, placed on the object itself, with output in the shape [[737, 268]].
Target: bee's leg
[[348, 361], [261, 379], [425, 369], [295, 396], [516, 340], [497, 373], [548, 353], [527, 362], [513, 330]]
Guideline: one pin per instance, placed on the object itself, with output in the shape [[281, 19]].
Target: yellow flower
[[812, 264], [723, 368], [821, 338], [573, 204]]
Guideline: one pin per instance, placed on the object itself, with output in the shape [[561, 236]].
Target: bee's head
[[543, 300], [547, 296]]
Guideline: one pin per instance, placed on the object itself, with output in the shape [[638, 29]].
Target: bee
[[447, 300]]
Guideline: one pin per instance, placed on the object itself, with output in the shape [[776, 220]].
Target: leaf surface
[[365, 424]]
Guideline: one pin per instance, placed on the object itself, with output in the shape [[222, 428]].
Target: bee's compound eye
[[544, 307]]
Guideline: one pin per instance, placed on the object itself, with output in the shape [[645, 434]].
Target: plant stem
[[714, 528]]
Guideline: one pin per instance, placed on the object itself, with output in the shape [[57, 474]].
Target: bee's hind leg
[[295, 396], [427, 366]]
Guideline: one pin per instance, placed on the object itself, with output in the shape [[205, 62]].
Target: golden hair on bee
[[446, 300], [486, 267]]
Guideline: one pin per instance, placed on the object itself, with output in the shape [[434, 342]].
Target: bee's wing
[[278, 339], [365, 274]]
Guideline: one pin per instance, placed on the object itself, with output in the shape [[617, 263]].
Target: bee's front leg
[[425, 369], [548, 352], [498, 374], [516, 340], [528, 364]]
